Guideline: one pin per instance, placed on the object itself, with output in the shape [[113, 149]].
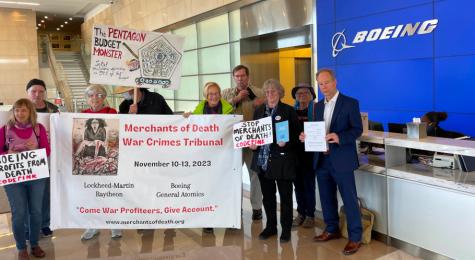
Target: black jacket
[[288, 152], [151, 103]]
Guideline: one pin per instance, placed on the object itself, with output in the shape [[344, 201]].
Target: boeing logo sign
[[339, 41]]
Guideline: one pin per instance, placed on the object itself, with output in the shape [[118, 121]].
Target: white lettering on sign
[[386, 33]]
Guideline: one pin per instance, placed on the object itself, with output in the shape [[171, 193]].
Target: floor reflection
[[194, 244]]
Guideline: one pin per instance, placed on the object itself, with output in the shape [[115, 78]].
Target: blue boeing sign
[[402, 58]]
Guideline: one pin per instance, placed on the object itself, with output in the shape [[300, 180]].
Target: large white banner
[[127, 57], [144, 171]]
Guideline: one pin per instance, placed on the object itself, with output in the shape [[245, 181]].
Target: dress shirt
[[329, 108]]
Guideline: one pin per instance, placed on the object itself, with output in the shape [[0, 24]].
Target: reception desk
[[426, 210]]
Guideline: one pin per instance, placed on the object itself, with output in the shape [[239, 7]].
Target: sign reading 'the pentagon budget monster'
[[128, 57]]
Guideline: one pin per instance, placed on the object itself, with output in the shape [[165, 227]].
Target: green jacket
[[226, 107]]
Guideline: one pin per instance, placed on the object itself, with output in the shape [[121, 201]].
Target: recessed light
[[70, 18], [66, 22], [42, 21], [46, 17], [57, 29], [18, 3], [62, 26], [39, 24]]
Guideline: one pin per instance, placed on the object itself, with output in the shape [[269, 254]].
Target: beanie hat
[[35, 82]]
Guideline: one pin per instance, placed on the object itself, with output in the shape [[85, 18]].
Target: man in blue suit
[[335, 167]]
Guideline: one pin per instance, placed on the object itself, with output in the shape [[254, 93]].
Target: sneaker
[[256, 214], [46, 232], [298, 220], [309, 222], [37, 252], [208, 230], [89, 234], [116, 233]]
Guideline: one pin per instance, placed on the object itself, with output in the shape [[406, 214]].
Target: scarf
[[263, 156], [310, 109]]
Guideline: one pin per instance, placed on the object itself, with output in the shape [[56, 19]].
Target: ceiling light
[[18, 3], [62, 26], [66, 22], [46, 17], [39, 24], [6, 61], [42, 21], [57, 29], [70, 18]]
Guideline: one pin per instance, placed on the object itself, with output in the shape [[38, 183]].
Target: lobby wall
[[147, 15], [18, 52], [398, 78]]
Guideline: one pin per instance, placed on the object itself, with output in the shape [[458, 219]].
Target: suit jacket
[[284, 112], [346, 123]]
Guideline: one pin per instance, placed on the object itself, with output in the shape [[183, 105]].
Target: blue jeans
[[45, 212], [26, 201]]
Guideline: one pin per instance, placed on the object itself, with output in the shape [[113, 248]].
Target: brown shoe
[[37, 252], [23, 255], [351, 247], [325, 236]]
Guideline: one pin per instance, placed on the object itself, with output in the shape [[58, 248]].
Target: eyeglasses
[[99, 95]]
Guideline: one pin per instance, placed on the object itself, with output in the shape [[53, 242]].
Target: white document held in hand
[[315, 136]]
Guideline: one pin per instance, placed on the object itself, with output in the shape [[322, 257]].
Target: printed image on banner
[[95, 146], [126, 57], [258, 132], [165, 171]]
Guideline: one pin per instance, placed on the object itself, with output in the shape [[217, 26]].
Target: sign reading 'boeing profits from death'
[[339, 40], [128, 57]]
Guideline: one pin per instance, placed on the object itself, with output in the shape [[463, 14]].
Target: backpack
[[5, 147]]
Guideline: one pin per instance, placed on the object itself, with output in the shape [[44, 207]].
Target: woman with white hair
[[96, 96], [213, 103], [275, 163]]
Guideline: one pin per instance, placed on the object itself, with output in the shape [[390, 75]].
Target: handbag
[[367, 221], [281, 166]]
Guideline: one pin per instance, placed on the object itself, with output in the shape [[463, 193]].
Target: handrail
[[58, 72]]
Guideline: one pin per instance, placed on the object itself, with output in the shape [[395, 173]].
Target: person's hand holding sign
[[133, 109]]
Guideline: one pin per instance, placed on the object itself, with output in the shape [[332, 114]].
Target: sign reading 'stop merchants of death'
[[128, 57], [144, 171], [258, 132]]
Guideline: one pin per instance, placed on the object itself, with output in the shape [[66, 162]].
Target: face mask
[[127, 96]]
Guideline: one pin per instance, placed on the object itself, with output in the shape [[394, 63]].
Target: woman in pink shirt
[[23, 133]]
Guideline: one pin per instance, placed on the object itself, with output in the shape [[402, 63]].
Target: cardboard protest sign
[[258, 132], [126, 57], [24, 166]]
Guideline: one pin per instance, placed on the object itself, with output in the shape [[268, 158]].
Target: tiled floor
[[193, 244]]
